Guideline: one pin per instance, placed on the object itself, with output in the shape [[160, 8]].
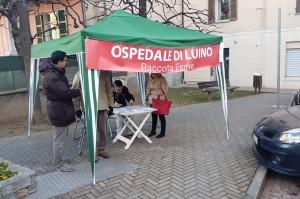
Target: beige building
[[249, 29]]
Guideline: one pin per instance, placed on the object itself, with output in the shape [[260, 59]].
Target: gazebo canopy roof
[[127, 28]]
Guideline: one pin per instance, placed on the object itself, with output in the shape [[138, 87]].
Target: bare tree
[[179, 13], [17, 13]]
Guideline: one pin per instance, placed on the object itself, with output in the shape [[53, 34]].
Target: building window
[[51, 26], [293, 62], [298, 6], [39, 28], [222, 10]]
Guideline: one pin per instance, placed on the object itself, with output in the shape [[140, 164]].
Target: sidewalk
[[194, 160]]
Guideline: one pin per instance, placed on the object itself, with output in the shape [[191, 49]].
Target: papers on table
[[128, 110]]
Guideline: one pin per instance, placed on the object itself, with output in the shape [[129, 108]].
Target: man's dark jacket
[[123, 97], [59, 96]]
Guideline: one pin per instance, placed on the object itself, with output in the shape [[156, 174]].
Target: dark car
[[277, 141]]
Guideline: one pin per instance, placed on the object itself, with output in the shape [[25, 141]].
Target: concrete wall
[[199, 75], [15, 106]]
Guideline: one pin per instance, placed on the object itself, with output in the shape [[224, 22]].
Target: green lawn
[[186, 96]]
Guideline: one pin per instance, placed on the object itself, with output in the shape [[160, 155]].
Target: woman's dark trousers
[[162, 124]]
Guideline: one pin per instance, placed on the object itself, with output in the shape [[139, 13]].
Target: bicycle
[[82, 134]]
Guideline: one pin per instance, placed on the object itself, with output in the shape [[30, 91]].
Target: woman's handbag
[[162, 106]]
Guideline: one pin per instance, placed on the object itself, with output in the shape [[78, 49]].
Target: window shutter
[[61, 15], [39, 28], [293, 62], [62, 21], [211, 11], [233, 10], [297, 6]]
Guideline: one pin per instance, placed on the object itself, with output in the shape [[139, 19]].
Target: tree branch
[[37, 34], [78, 17], [165, 11]]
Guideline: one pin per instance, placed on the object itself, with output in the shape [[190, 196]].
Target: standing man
[[122, 97], [59, 104], [105, 103]]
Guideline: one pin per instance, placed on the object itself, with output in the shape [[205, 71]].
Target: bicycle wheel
[[81, 140]]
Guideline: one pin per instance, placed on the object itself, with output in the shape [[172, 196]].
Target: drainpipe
[[182, 25], [105, 14], [182, 11], [105, 9]]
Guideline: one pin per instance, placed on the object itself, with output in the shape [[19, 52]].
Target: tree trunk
[[24, 47], [23, 43]]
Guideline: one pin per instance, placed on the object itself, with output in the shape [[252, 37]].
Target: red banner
[[103, 55]]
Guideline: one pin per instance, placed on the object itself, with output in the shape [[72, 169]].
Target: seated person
[[122, 97]]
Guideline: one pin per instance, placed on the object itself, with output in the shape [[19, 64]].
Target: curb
[[257, 183]]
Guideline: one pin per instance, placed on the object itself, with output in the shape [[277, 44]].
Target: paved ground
[[194, 160], [35, 152], [281, 187]]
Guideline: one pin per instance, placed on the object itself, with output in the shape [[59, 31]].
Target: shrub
[[5, 173]]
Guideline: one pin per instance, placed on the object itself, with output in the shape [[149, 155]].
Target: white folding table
[[127, 112]]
